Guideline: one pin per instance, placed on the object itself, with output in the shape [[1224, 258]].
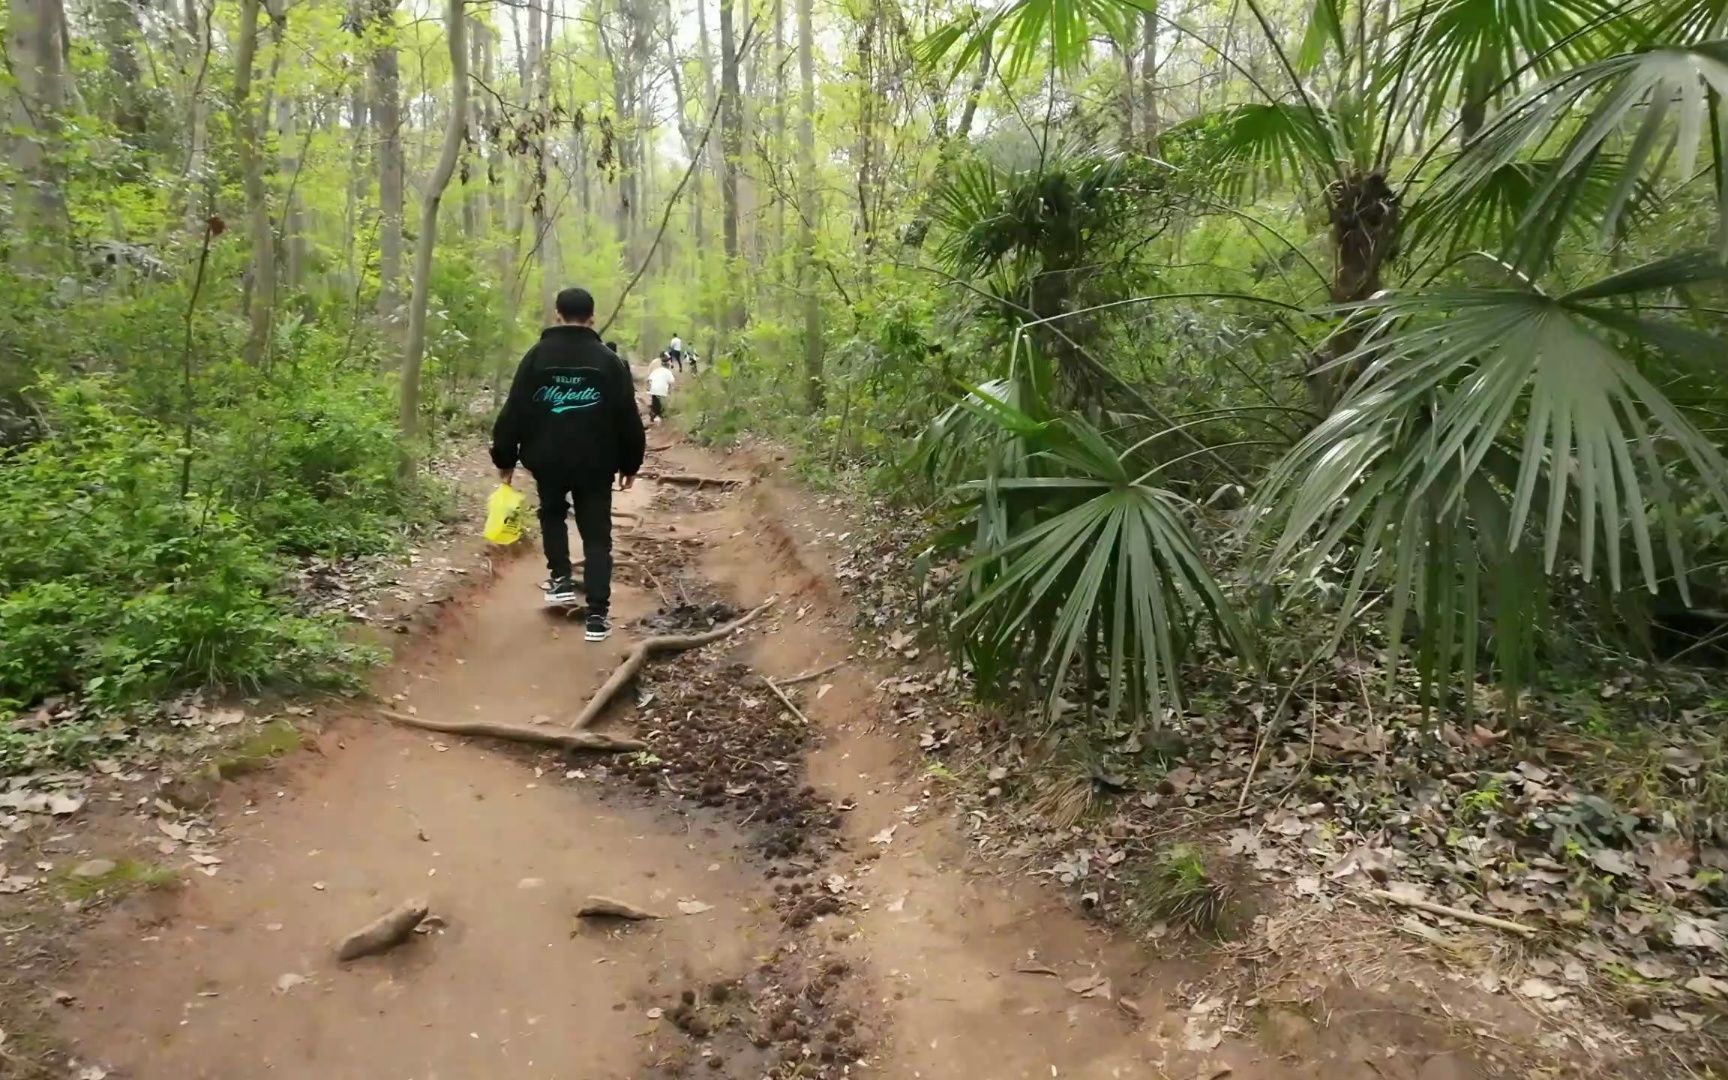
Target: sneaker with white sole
[[561, 591], [599, 628]]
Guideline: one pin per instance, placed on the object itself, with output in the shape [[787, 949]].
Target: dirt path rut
[[908, 971]]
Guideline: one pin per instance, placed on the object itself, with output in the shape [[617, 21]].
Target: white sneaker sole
[[560, 599], [597, 635]]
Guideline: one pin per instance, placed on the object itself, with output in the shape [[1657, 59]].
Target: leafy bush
[[115, 587]]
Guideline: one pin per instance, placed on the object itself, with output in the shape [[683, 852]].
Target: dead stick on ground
[[808, 675], [654, 646], [786, 701], [1453, 913], [563, 740]]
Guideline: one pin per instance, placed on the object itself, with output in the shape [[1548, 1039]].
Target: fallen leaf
[[656, 1013], [1705, 986], [898, 903], [93, 868], [1538, 989], [885, 837], [1096, 984], [1668, 1022], [61, 805], [173, 830], [694, 907], [1033, 967], [1613, 862]]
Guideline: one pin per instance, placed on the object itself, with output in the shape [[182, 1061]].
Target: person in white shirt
[[676, 351], [659, 389]]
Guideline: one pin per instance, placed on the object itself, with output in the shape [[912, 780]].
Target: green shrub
[[115, 588]]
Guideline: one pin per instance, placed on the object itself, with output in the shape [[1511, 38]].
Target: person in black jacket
[[571, 420]]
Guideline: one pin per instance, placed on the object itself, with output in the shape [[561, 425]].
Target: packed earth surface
[[801, 896]]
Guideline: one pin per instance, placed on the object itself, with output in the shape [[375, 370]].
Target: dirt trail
[[233, 975]]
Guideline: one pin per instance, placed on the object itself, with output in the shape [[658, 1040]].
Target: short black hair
[[575, 304]]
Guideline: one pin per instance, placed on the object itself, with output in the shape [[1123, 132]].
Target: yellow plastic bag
[[504, 515]]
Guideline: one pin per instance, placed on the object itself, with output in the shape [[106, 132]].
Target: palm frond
[[1259, 146], [1464, 49], [1072, 555], [1023, 33], [1496, 214], [1325, 28], [1490, 427], [1661, 99]]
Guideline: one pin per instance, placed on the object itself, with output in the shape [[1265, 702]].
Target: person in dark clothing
[[571, 420]]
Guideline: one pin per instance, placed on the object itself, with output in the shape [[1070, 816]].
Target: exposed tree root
[[694, 480], [564, 740], [654, 646], [604, 907]]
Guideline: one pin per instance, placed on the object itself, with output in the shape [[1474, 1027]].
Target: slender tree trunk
[[246, 115], [545, 219], [779, 150], [731, 149], [809, 210], [294, 213], [387, 124], [474, 186], [1149, 121], [455, 32], [953, 143], [195, 59]]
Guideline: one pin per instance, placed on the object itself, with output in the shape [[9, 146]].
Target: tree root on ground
[[563, 740], [694, 479], [654, 646]]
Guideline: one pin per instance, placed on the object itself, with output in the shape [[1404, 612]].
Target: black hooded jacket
[[571, 409]]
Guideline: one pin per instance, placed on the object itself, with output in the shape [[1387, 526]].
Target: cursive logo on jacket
[[567, 392]]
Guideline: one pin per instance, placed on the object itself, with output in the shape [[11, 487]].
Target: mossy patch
[[126, 876], [258, 750]]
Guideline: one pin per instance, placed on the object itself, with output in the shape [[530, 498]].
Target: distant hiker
[[571, 420], [676, 351], [659, 389]]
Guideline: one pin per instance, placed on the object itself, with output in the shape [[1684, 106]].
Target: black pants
[[656, 406], [591, 498], [675, 356]]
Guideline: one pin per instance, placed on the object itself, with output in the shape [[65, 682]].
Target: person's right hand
[[625, 483], [505, 476]]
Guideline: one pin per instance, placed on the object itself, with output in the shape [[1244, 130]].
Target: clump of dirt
[[791, 1017], [688, 616], [721, 740]]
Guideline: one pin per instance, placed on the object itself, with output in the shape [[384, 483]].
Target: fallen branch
[[1453, 913], [383, 933], [604, 907], [694, 479], [786, 701], [808, 675], [654, 646], [563, 740]]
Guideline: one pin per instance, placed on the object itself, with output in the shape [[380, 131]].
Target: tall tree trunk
[[294, 210], [41, 93], [120, 32], [809, 210], [545, 218], [387, 124], [953, 143], [1130, 74], [731, 149], [455, 32], [195, 60], [474, 165], [1149, 122], [262, 291], [779, 151]]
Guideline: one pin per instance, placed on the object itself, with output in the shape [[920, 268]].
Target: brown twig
[[563, 740], [654, 646], [1453, 913], [808, 675], [786, 701]]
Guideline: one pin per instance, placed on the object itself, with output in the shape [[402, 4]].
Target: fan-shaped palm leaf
[[1261, 145], [1027, 32], [1661, 97], [1462, 50], [1489, 425], [1075, 549], [1496, 213]]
